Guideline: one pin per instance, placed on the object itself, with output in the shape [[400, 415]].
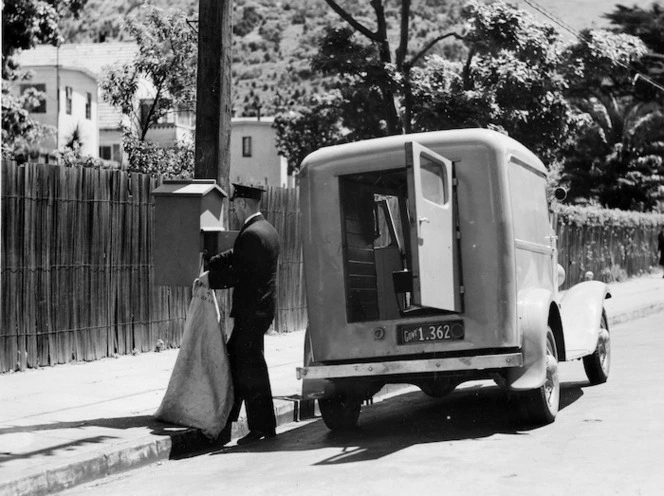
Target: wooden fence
[[77, 274], [612, 253]]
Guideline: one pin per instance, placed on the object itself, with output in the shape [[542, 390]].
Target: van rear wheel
[[437, 389], [340, 412], [542, 403]]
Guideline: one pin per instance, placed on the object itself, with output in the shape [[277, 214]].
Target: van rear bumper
[[410, 366]]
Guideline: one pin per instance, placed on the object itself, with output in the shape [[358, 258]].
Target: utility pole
[[213, 85]]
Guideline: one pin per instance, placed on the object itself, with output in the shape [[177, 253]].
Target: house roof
[[89, 57], [63, 68]]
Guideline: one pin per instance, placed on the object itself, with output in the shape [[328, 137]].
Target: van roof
[[434, 139]]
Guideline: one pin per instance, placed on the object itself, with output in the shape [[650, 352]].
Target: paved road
[[607, 439]]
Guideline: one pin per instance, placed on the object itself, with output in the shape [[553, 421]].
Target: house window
[[117, 153], [41, 108], [88, 106], [186, 118], [111, 152], [105, 152], [68, 99], [246, 146]]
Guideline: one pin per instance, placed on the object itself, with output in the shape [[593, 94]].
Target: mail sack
[[200, 390]]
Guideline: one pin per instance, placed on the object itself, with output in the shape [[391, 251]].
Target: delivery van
[[430, 259]]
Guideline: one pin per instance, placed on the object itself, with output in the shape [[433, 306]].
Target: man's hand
[[203, 280]]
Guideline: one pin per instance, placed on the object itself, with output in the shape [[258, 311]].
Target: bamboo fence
[[612, 253], [77, 272]]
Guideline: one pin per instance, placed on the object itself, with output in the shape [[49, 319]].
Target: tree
[[307, 128], [372, 70], [648, 25], [166, 59], [617, 159], [367, 89], [361, 82], [511, 80], [514, 75], [25, 23]]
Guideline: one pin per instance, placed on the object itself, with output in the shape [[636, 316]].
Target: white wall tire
[[542, 404], [598, 364]]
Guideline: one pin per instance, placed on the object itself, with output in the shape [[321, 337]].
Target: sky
[[578, 14]]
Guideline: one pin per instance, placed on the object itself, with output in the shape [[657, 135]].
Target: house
[[104, 137], [254, 156], [70, 75], [70, 107]]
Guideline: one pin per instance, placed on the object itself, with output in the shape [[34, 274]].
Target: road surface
[[607, 439]]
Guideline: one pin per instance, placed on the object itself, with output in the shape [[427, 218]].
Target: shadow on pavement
[[180, 443], [413, 419]]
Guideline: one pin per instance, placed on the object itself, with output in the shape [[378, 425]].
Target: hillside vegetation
[[273, 41]]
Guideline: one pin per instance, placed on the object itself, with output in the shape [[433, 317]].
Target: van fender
[[533, 307], [581, 313]]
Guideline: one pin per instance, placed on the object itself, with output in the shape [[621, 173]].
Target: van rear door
[[433, 229]]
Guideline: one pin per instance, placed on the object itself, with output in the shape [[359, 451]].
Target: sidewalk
[[64, 425]]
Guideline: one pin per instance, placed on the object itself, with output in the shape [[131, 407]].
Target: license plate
[[430, 332]]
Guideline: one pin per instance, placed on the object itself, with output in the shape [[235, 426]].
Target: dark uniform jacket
[[251, 268]]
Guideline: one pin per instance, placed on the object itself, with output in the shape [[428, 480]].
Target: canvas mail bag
[[200, 390]]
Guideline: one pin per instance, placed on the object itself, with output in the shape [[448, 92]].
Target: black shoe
[[224, 436], [254, 436]]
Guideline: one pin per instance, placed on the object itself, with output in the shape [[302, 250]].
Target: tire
[[437, 390], [340, 412], [542, 404], [598, 364]]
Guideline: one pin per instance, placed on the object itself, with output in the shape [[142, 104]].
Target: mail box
[[188, 229]]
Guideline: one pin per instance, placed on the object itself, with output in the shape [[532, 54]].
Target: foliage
[[601, 62], [166, 58], [361, 75], [249, 19], [21, 133], [618, 157], [28, 22], [102, 20], [576, 215], [307, 128], [24, 24], [176, 162], [71, 156], [516, 78], [648, 25]]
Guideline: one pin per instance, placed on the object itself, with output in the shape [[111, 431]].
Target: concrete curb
[[150, 449], [635, 314]]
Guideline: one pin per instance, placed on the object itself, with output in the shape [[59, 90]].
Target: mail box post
[[188, 220]]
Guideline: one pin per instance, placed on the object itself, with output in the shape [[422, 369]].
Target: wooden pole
[[213, 104]]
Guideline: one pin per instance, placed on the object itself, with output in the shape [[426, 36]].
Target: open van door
[[433, 229]]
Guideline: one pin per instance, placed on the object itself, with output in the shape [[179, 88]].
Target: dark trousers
[[251, 382]]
